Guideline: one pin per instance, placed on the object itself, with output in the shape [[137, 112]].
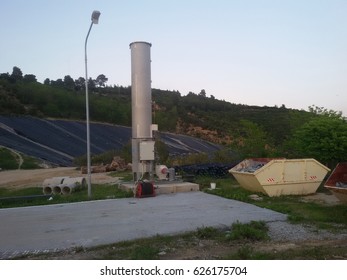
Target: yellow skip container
[[276, 177]]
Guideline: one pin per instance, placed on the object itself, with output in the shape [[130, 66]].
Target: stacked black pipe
[[216, 170]]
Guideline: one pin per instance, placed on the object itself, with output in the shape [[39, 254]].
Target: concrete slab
[[57, 227], [167, 187]]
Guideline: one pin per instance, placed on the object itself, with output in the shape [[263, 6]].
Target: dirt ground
[[323, 198], [17, 179]]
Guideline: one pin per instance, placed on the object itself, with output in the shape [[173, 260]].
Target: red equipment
[[144, 189]]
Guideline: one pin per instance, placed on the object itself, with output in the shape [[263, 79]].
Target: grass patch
[[144, 253], [4, 192], [322, 216], [331, 217], [18, 199], [253, 231], [246, 252], [30, 163], [124, 175], [8, 160], [225, 187], [206, 232], [140, 249]]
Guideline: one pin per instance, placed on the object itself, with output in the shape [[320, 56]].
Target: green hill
[[252, 130]]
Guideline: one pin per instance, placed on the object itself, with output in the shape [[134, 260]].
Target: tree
[[5, 76], [252, 140], [91, 84], [57, 83], [47, 82], [80, 83], [17, 74], [323, 138], [167, 120], [69, 83], [101, 80], [29, 78], [202, 93], [323, 111]]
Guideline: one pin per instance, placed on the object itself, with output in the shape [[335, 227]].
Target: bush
[[254, 231]]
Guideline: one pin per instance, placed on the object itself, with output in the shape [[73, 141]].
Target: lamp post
[[95, 20]]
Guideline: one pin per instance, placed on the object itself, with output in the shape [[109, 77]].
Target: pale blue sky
[[291, 52]]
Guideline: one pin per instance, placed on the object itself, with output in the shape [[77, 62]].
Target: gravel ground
[[285, 231]]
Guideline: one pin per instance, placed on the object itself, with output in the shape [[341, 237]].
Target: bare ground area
[[17, 179], [325, 244], [211, 249]]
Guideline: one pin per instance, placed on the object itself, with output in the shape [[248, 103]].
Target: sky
[[263, 53]]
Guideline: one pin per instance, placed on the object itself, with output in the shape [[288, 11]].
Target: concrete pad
[[62, 226], [167, 187]]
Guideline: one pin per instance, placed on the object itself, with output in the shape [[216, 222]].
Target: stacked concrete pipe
[[71, 185], [51, 184], [63, 185]]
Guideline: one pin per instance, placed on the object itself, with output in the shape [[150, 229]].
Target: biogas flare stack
[[141, 100], [142, 142]]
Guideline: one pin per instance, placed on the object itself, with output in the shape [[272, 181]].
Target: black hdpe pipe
[[25, 197]]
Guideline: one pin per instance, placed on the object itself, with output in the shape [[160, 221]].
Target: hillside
[[195, 114]]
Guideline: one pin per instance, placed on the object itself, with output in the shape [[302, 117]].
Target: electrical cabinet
[[147, 150]]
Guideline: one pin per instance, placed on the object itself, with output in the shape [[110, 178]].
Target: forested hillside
[[251, 130]]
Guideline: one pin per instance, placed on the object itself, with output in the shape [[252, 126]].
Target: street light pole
[[95, 20]]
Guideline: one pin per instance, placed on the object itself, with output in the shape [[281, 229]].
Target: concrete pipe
[[47, 190], [57, 189], [49, 184], [73, 184]]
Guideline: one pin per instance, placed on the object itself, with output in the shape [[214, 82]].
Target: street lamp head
[[95, 17]]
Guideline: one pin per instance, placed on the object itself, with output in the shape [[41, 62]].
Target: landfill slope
[[59, 141]]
